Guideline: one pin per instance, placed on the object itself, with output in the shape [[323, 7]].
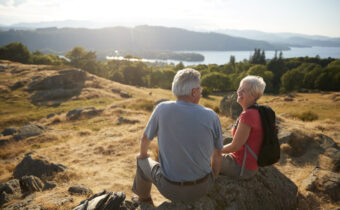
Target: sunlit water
[[222, 57]]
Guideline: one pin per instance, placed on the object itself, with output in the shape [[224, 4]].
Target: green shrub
[[15, 51], [205, 92]]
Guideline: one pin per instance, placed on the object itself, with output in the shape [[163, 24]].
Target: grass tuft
[[307, 116], [143, 105]]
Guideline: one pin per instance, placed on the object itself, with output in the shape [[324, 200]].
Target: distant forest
[[280, 74]]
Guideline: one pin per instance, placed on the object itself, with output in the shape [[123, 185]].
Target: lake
[[222, 57]]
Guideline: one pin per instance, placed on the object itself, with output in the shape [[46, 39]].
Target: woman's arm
[[240, 138]]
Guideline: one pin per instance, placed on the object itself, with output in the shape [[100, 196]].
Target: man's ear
[[193, 92]]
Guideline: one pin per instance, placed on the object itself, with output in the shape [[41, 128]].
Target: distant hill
[[287, 39], [124, 38]]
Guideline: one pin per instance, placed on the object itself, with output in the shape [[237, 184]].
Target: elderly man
[[189, 141]]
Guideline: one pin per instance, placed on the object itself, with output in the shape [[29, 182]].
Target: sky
[[312, 17]]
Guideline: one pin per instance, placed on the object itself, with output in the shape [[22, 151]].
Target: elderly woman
[[247, 134]]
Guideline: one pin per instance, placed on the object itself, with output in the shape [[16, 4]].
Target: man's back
[[187, 135]]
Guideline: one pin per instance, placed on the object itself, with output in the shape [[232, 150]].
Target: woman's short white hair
[[256, 84], [184, 81]]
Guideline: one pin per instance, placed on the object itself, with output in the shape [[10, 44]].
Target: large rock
[[9, 190], [268, 189], [323, 182], [30, 184], [28, 131], [104, 200], [230, 107], [53, 95], [334, 156], [66, 79], [38, 166]]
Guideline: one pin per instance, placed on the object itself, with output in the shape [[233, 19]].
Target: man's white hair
[[256, 84], [184, 81]]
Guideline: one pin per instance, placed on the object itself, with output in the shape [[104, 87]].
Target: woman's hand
[[240, 138]]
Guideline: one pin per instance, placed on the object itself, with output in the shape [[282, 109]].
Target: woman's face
[[244, 96]]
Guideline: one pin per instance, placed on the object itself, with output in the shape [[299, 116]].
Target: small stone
[[50, 115], [28, 131], [9, 131], [80, 189], [125, 95], [49, 185]]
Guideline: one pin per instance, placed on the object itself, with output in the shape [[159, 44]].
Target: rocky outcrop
[[39, 97], [54, 89], [38, 166], [28, 131], [324, 182], [10, 190], [268, 189], [230, 107], [325, 178], [65, 79], [83, 112]]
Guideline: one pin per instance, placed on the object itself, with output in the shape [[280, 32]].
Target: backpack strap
[[245, 157]]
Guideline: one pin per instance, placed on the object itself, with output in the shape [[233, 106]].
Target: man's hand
[[144, 146], [216, 162]]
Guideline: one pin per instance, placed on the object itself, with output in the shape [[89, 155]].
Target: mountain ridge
[[142, 37]]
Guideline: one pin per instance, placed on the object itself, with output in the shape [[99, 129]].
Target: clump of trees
[[18, 52]]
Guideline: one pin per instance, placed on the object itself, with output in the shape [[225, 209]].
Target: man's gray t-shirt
[[187, 135]]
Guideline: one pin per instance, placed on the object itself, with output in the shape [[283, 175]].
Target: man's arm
[[144, 146], [216, 162]]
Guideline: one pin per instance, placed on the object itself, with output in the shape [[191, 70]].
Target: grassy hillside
[[100, 149]]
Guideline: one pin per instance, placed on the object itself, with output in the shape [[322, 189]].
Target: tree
[[81, 58], [261, 70], [258, 57], [179, 66], [134, 73], [292, 80], [15, 51], [278, 67], [310, 78], [216, 81], [232, 60], [329, 79]]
